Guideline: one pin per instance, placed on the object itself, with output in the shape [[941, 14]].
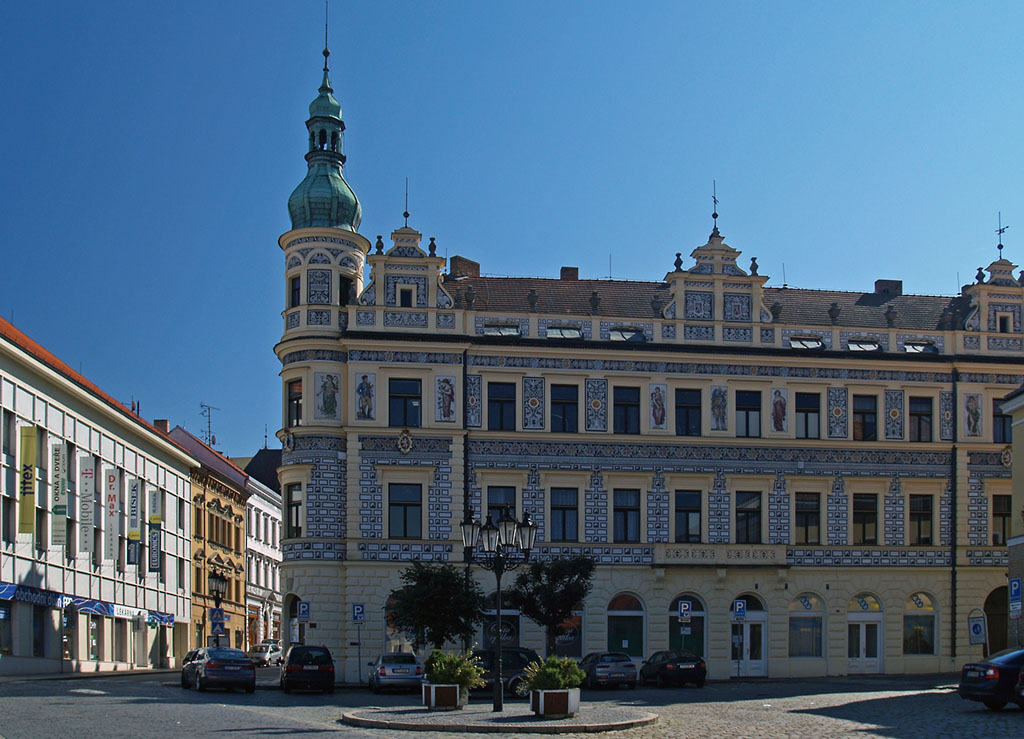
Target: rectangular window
[[865, 418], [748, 413], [626, 515], [626, 410], [564, 514], [920, 525], [805, 636], [293, 506], [687, 412], [6, 630], [404, 403], [500, 497], [8, 519], [295, 297], [295, 403], [1002, 424], [405, 297], [405, 511], [565, 408], [920, 419], [808, 518], [748, 518], [501, 406], [865, 519], [1004, 323], [1001, 514], [808, 416], [39, 631], [687, 516], [344, 291]]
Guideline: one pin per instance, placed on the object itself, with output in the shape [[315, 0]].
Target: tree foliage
[[549, 592], [437, 604]]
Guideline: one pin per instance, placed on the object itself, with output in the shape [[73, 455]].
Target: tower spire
[[325, 86], [406, 213], [999, 232], [714, 214]]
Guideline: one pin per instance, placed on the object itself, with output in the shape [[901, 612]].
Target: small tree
[[549, 592], [437, 604]]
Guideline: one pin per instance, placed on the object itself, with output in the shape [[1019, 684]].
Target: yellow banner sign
[[27, 485]]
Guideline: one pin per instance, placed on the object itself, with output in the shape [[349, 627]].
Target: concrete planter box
[[442, 697], [555, 703]]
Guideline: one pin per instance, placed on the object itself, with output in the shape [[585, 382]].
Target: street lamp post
[[500, 549], [218, 587]]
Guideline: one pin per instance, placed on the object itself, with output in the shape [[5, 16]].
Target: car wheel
[[632, 685], [199, 684], [329, 689], [285, 687], [994, 705], [699, 683], [251, 687], [660, 680], [184, 680], [519, 688]]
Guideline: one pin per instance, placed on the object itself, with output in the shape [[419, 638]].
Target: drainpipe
[[954, 511], [465, 469]]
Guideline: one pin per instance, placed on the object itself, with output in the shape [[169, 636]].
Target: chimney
[[890, 288], [569, 273], [462, 267], [162, 425]]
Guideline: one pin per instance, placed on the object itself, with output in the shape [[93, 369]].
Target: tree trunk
[[550, 645]]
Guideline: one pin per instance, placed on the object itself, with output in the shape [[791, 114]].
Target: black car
[[994, 681], [513, 662], [307, 667], [218, 667], [674, 668]]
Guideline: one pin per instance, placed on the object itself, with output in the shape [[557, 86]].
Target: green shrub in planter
[[554, 673], [458, 668]]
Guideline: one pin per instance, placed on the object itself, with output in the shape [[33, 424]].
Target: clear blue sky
[[148, 150]]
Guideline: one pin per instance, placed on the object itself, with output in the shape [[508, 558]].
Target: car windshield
[[615, 657], [261, 648], [227, 654], [307, 656], [400, 659]]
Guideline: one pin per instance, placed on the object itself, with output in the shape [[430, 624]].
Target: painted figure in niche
[[327, 388], [719, 408], [657, 407], [778, 411], [445, 399], [364, 394], [972, 415]]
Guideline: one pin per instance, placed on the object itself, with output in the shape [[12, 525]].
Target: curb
[[520, 728]]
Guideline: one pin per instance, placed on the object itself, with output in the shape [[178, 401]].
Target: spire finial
[[405, 214], [327, 51], [714, 213], [999, 232]]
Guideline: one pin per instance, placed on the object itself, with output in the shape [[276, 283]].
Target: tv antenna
[[207, 413]]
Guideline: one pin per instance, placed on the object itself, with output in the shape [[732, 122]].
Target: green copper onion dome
[[324, 198]]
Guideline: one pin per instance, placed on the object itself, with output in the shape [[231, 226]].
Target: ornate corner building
[[834, 461]]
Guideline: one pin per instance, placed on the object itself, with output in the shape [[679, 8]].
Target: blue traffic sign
[[739, 609], [217, 615], [358, 613], [302, 610], [684, 610], [217, 629], [1015, 590]]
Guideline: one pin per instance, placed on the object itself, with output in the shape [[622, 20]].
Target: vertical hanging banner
[[86, 505], [156, 517], [59, 487], [134, 532], [111, 514], [27, 485]]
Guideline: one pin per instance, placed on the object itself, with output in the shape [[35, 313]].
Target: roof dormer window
[[502, 329], [863, 345], [920, 347], [806, 342], [627, 333], [564, 332]]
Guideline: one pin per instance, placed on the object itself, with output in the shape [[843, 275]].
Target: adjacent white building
[[262, 562], [95, 524]]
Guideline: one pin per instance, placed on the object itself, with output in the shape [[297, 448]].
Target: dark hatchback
[[218, 667], [307, 667], [513, 663], [993, 681], [673, 668]]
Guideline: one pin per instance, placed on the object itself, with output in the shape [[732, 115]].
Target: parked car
[[994, 681], [275, 642], [218, 667], [395, 670], [608, 668], [513, 663], [265, 654], [308, 667], [669, 667]]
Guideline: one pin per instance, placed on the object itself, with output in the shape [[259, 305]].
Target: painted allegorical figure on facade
[[658, 414], [364, 397], [779, 410], [445, 399], [327, 386], [719, 408], [972, 414]]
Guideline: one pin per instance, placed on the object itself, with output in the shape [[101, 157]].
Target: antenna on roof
[[264, 436], [1000, 232], [784, 284], [207, 413], [609, 265], [714, 214]]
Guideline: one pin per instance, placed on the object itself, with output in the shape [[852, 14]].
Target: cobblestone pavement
[[156, 706]]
